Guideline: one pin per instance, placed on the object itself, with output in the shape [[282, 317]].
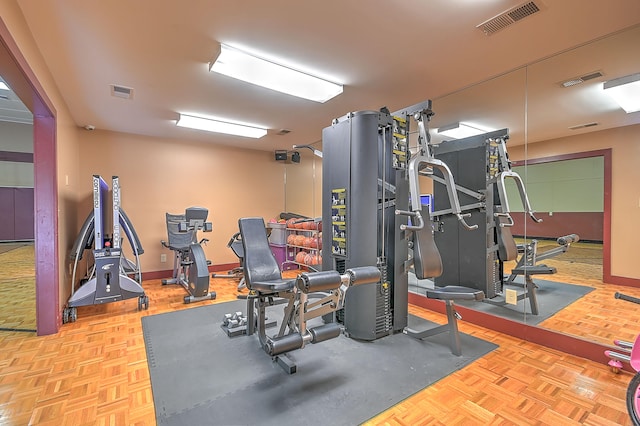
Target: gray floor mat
[[552, 297], [199, 376]]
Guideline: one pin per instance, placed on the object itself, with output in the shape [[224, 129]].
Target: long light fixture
[[460, 130], [625, 91], [235, 63], [218, 126]]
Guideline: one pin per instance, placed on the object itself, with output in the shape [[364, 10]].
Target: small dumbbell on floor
[[237, 319]]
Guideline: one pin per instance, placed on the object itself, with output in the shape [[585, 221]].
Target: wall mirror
[[576, 152], [303, 184], [573, 147]]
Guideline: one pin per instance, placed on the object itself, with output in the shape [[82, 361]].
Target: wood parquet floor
[[17, 287], [94, 372]]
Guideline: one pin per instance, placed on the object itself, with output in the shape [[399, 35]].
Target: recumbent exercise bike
[[190, 265]]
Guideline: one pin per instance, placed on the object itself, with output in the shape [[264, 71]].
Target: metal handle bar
[[414, 214], [523, 194], [464, 223], [414, 186], [508, 216]]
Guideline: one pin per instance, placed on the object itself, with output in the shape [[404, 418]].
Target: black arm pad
[[318, 281], [568, 239], [363, 275]]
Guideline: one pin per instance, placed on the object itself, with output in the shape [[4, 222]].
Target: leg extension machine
[[268, 288]]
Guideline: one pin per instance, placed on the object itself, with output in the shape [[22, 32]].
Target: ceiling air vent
[[582, 126], [283, 132], [121, 91], [509, 17], [579, 80]]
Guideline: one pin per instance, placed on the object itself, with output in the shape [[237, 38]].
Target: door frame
[[15, 69]]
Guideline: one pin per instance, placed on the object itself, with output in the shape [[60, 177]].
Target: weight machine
[[367, 179], [306, 297], [190, 265], [476, 259], [109, 273]]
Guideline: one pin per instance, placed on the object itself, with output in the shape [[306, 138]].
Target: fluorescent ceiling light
[[3, 86], [460, 130], [625, 91], [238, 64], [217, 126]]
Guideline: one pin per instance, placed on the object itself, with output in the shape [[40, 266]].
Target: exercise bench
[[307, 296]]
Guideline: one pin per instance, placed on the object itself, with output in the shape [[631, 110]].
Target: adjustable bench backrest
[[260, 265]]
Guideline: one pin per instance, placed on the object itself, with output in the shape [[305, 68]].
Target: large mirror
[[577, 154], [582, 138], [303, 183], [573, 147]]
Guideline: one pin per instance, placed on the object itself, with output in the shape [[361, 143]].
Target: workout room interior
[[100, 93]]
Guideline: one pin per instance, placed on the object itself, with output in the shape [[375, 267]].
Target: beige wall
[[67, 160], [168, 175], [625, 192]]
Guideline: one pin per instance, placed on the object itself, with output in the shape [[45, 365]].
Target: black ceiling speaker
[[281, 155]]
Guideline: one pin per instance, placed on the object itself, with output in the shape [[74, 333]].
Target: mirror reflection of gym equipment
[[481, 166], [190, 265]]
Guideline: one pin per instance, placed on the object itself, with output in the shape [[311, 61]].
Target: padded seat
[[455, 292], [274, 286], [534, 270]]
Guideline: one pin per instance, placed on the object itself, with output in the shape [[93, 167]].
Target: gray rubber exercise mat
[[199, 376], [552, 297]]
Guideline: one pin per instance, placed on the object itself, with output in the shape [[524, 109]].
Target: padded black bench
[[267, 287]]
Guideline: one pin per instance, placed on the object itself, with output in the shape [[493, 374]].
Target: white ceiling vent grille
[[510, 17], [579, 80], [121, 91]]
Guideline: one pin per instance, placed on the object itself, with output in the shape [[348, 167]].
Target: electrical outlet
[[511, 297], [163, 258]]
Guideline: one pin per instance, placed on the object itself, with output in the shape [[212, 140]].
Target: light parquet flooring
[[94, 372], [17, 286], [597, 316]]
